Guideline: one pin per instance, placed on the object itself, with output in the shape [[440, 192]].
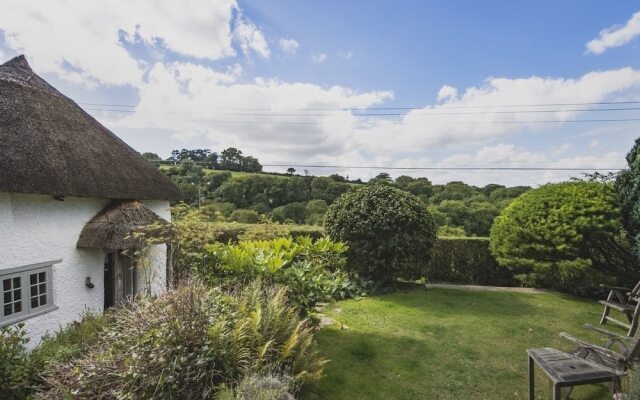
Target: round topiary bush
[[564, 236], [390, 232]]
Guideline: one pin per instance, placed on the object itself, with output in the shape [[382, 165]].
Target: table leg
[[557, 393], [532, 394]]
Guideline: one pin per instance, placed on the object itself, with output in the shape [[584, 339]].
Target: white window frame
[[24, 273]]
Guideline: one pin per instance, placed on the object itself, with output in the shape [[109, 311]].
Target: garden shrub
[[312, 270], [20, 369], [261, 387], [565, 236], [245, 216], [627, 186], [188, 343], [466, 260], [15, 376], [390, 233]]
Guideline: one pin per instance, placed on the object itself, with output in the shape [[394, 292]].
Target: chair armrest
[[600, 350], [605, 332]]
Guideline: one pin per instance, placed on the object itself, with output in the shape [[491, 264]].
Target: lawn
[[446, 344]]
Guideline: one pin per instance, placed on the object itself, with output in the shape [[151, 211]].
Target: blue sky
[[188, 73]]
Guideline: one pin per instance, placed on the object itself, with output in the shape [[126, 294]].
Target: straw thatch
[[49, 145], [112, 227]]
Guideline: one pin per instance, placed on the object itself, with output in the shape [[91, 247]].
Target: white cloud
[[85, 42], [594, 143], [616, 36], [319, 58], [509, 156], [447, 92], [249, 37], [288, 45]]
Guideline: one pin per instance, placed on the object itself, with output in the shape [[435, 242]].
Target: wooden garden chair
[[586, 364], [625, 300]]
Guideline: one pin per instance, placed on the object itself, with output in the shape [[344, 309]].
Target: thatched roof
[[49, 145], [112, 227]]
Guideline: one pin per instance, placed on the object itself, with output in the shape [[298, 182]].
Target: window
[[26, 292]]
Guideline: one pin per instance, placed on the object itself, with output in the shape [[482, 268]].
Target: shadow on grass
[[377, 366], [453, 301]]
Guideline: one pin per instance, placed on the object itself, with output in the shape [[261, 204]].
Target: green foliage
[[633, 383], [245, 216], [451, 231], [260, 387], [466, 260], [15, 375], [627, 186], [151, 156], [20, 370], [390, 233], [188, 343], [312, 270], [564, 236], [295, 212]]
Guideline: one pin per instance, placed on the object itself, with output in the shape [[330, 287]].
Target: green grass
[[447, 344]]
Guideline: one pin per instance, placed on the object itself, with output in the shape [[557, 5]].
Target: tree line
[[459, 209], [230, 159]]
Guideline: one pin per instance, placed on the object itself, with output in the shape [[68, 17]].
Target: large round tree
[[565, 236], [628, 188], [390, 232]]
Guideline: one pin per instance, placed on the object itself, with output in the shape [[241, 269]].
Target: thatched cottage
[[71, 192]]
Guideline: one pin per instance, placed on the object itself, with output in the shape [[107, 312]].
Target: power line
[[469, 168], [444, 106], [240, 122], [363, 113]]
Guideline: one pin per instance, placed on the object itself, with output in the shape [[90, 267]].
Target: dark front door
[[109, 279]]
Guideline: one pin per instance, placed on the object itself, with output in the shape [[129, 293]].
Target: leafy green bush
[[466, 260], [20, 370], [15, 375], [312, 271], [245, 216], [451, 231], [390, 232], [627, 186], [564, 236], [633, 380], [188, 343], [260, 387]]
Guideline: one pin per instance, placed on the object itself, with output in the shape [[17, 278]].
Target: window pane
[[34, 290], [16, 282], [43, 288], [17, 294], [33, 278], [8, 309], [42, 277], [43, 299], [17, 307], [6, 284], [34, 302], [7, 297]]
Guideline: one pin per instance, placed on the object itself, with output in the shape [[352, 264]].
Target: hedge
[[467, 260], [234, 232]]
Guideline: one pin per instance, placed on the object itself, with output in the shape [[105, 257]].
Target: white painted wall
[[37, 228]]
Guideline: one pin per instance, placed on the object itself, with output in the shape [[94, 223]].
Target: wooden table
[[567, 370]]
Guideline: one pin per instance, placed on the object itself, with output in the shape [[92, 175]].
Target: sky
[[362, 86]]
